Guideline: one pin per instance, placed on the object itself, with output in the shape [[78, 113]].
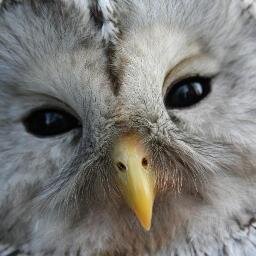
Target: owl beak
[[135, 179]]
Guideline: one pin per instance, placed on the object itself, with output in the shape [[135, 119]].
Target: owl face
[[101, 141], [54, 91]]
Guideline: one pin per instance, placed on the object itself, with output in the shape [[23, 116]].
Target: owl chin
[[176, 218]]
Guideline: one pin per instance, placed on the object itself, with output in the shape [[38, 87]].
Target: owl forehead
[[49, 50], [164, 32], [104, 12], [145, 57], [159, 30], [183, 14], [111, 13], [202, 17]]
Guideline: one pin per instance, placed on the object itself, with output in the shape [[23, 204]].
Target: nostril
[[121, 167], [144, 163]]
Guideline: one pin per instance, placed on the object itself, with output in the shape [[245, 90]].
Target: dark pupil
[[50, 122], [187, 93]]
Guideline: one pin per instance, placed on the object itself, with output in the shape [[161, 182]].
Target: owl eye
[[187, 92], [50, 122]]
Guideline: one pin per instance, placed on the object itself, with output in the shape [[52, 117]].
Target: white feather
[[109, 30], [251, 5], [82, 4]]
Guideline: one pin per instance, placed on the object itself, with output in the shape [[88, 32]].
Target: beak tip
[[145, 222], [147, 227]]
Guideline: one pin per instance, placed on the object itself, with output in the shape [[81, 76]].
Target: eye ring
[[49, 121], [187, 92]]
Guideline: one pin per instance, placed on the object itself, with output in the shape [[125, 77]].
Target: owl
[[128, 127]]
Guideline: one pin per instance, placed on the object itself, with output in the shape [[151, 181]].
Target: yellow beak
[[135, 179]]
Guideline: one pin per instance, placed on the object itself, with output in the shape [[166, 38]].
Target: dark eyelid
[[177, 81], [50, 122], [191, 66], [68, 110], [55, 103], [188, 77]]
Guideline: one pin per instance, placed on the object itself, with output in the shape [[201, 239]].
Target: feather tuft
[[250, 5]]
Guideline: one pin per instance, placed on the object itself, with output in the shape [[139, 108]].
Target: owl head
[[125, 125]]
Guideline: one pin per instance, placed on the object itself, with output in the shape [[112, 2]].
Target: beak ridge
[[135, 178]]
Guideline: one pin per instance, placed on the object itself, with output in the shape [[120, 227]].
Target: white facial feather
[[81, 4], [109, 28], [250, 5], [58, 193]]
